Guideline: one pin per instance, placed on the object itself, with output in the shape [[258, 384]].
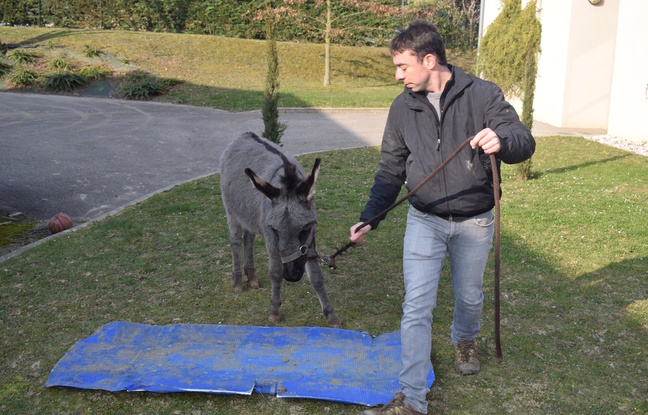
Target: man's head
[[419, 56], [422, 38]]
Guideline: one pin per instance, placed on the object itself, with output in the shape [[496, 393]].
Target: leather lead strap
[[330, 261]]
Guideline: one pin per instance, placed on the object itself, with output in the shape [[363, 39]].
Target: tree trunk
[[327, 46]]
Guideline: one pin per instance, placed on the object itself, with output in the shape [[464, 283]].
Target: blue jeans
[[428, 240]]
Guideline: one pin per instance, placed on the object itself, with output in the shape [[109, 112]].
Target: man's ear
[[430, 61]]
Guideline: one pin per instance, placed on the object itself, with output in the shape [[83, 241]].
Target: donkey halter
[[304, 249]]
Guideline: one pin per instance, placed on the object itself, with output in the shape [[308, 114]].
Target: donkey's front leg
[[316, 278], [276, 276]]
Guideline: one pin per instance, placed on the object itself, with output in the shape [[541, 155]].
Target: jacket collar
[[458, 82]]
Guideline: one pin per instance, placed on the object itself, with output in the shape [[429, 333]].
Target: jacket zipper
[[439, 131], [443, 175], [439, 117]]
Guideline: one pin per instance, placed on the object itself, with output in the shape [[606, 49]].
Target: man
[[451, 215]]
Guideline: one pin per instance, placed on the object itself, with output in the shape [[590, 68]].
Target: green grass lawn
[[574, 291]]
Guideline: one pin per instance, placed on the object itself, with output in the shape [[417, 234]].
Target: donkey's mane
[[265, 143], [291, 180]]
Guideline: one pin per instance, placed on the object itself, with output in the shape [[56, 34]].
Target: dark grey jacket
[[416, 142]]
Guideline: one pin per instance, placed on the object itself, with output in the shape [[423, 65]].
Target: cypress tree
[[508, 57], [273, 128]]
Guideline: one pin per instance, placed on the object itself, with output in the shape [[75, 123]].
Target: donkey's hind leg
[[236, 236], [248, 259]]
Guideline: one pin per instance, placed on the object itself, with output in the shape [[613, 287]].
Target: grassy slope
[[230, 73]]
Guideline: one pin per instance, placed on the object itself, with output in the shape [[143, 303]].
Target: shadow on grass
[[556, 328], [54, 34], [581, 165], [625, 283]]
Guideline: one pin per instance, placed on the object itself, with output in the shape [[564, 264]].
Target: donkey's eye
[[306, 230]]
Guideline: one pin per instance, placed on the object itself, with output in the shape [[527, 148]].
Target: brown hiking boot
[[395, 407], [466, 361]]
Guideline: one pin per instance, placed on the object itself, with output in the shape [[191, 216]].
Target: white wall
[[593, 65], [590, 63], [629, 99], [553, 62]]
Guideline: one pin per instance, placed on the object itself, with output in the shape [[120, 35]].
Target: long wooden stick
[[496, 291]]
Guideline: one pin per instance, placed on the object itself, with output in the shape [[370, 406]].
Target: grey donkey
[[267, 193]]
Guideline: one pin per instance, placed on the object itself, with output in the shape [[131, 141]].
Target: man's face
[[414, 74]]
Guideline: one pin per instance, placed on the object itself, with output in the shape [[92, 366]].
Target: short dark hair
[[422, 38]]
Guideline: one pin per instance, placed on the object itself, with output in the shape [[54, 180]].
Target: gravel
[[635, 147]]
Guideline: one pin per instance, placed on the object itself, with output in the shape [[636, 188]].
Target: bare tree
[[469, 8]]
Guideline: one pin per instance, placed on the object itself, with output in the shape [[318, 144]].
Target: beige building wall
[[593, 66], [629, 99]]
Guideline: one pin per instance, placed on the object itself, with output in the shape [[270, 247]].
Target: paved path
[[90, 156]]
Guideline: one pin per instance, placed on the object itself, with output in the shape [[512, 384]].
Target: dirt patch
[[102, 88], [18, 230]]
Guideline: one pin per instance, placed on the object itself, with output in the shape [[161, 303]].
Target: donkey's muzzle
[[292, 271]]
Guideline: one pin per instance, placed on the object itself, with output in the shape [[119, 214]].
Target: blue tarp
[[291, 362]]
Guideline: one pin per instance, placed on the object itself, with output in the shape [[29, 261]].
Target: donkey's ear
[[264, 187], [307, 187]]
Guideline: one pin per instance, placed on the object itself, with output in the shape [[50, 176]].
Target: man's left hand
[[487, 140]]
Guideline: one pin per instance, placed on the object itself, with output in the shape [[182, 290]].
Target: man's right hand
[[358, 234]]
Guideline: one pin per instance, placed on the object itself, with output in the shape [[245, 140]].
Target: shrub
[[4, 68], [65, 81], [24, 77], [511, 40], [60, 63], [21, 56], [94, 72], [140, 85], [91, 51], [508, 57]]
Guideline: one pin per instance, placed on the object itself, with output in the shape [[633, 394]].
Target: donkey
[[267, 193]]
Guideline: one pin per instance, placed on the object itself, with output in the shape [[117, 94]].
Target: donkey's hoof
[[334, 321], [238, 288], [254, 284], [274, 318]]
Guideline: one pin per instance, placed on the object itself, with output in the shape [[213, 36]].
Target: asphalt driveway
[[90, 156]]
